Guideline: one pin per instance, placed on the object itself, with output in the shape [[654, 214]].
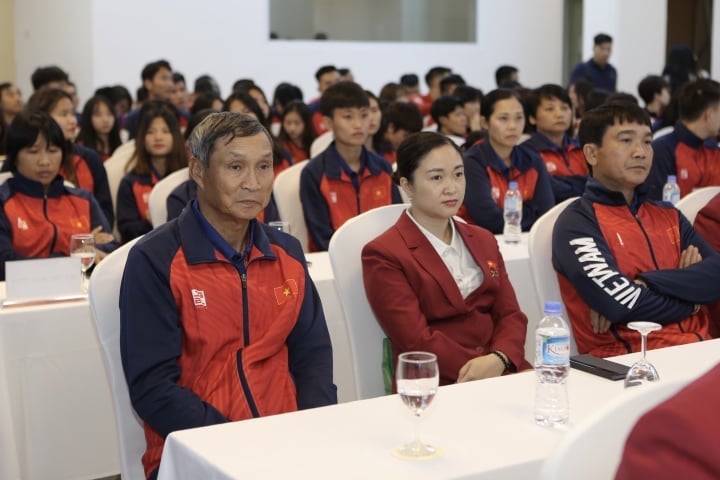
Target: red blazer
[[419, 306], [707, 224], [679, 437]]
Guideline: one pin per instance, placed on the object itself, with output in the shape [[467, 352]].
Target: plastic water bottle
[[512, 212], [552, 366], [671, 190]]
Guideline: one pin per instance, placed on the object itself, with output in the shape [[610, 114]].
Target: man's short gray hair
[[219, 125]]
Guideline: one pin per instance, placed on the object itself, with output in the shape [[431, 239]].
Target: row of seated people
[[434, 284]]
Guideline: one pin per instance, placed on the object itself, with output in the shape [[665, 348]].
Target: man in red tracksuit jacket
[[219, 319], [621, 257]]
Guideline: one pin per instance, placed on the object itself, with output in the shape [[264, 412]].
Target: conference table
[[484, 428], [517, 264], [56, 410]]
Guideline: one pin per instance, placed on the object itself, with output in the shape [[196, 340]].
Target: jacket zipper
[[54, 237], [246, 341]]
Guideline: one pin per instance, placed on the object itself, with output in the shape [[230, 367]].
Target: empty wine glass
[[82, 245], [642, 371], [417, 379]]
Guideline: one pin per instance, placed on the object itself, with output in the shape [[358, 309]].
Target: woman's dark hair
[[195, 120], [303, 111], [414, 148], [45, 100], [177, 158], [249, 102], [23, 132], [488, 102], [284, 94], [203, 101], [88, 136]]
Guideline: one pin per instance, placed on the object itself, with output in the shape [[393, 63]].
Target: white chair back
[[158, 195], [4, 176], [287, 198], [694, 201], [364, 333], [663, 131], [115, 169], [592, 450], [543, 274], [104, 294], [321, 143]]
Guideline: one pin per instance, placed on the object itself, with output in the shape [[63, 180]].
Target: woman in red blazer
[[439, 285]]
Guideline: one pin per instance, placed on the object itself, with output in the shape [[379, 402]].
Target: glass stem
[[416, 442], [643, 339]]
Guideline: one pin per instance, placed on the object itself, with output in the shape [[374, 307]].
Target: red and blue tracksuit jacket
[[133, 209], [92, 176], [694, 161], [332, 194], [186, 191], [601, 245], [36, 224], [209, 335], [566, 165], [487, 180]]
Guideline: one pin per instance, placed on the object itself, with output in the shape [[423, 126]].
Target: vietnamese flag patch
[[285, 291]]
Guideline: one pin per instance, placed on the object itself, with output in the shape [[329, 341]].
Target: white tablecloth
[[56, 414], [485, 429]]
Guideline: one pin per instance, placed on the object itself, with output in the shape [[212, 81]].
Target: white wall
[[104, 42], [49, 33], [638, 31]]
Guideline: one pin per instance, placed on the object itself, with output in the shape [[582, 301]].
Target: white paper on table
[[53, 279]]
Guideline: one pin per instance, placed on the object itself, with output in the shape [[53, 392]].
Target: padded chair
[[693, 202], [321, 143], [104, 294], [593, 449], [115, 168], [663, 131], [159, 194], [287, 198], [543, 274], [364, 333]]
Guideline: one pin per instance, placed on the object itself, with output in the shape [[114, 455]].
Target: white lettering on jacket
[[594, 264]]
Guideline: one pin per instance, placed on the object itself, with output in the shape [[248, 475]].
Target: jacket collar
[[370, 164], [32, 188], [200, 241], [599, 193]]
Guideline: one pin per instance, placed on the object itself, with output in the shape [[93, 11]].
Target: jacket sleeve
[[101, 186], [97, 219], [129, 223], [479, 204], [697, 283], [7, 252], [568, 186], [310, 353], [707, 222], [315, 209], [543, 198], [580, 254], [397, 309], [150, 344], [510, 323]]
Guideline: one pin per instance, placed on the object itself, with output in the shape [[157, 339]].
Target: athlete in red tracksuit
[[332, 193], [39, 224], [626, 257]]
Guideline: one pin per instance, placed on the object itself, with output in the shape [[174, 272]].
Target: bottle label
[[555, 350], [511, 204]]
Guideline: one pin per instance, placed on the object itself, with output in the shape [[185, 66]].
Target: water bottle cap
[[553, 307], [672, 179], [513, 185]]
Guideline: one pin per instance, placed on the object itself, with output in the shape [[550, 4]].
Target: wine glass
[[642, 371], [82, 245], [417, 382]]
